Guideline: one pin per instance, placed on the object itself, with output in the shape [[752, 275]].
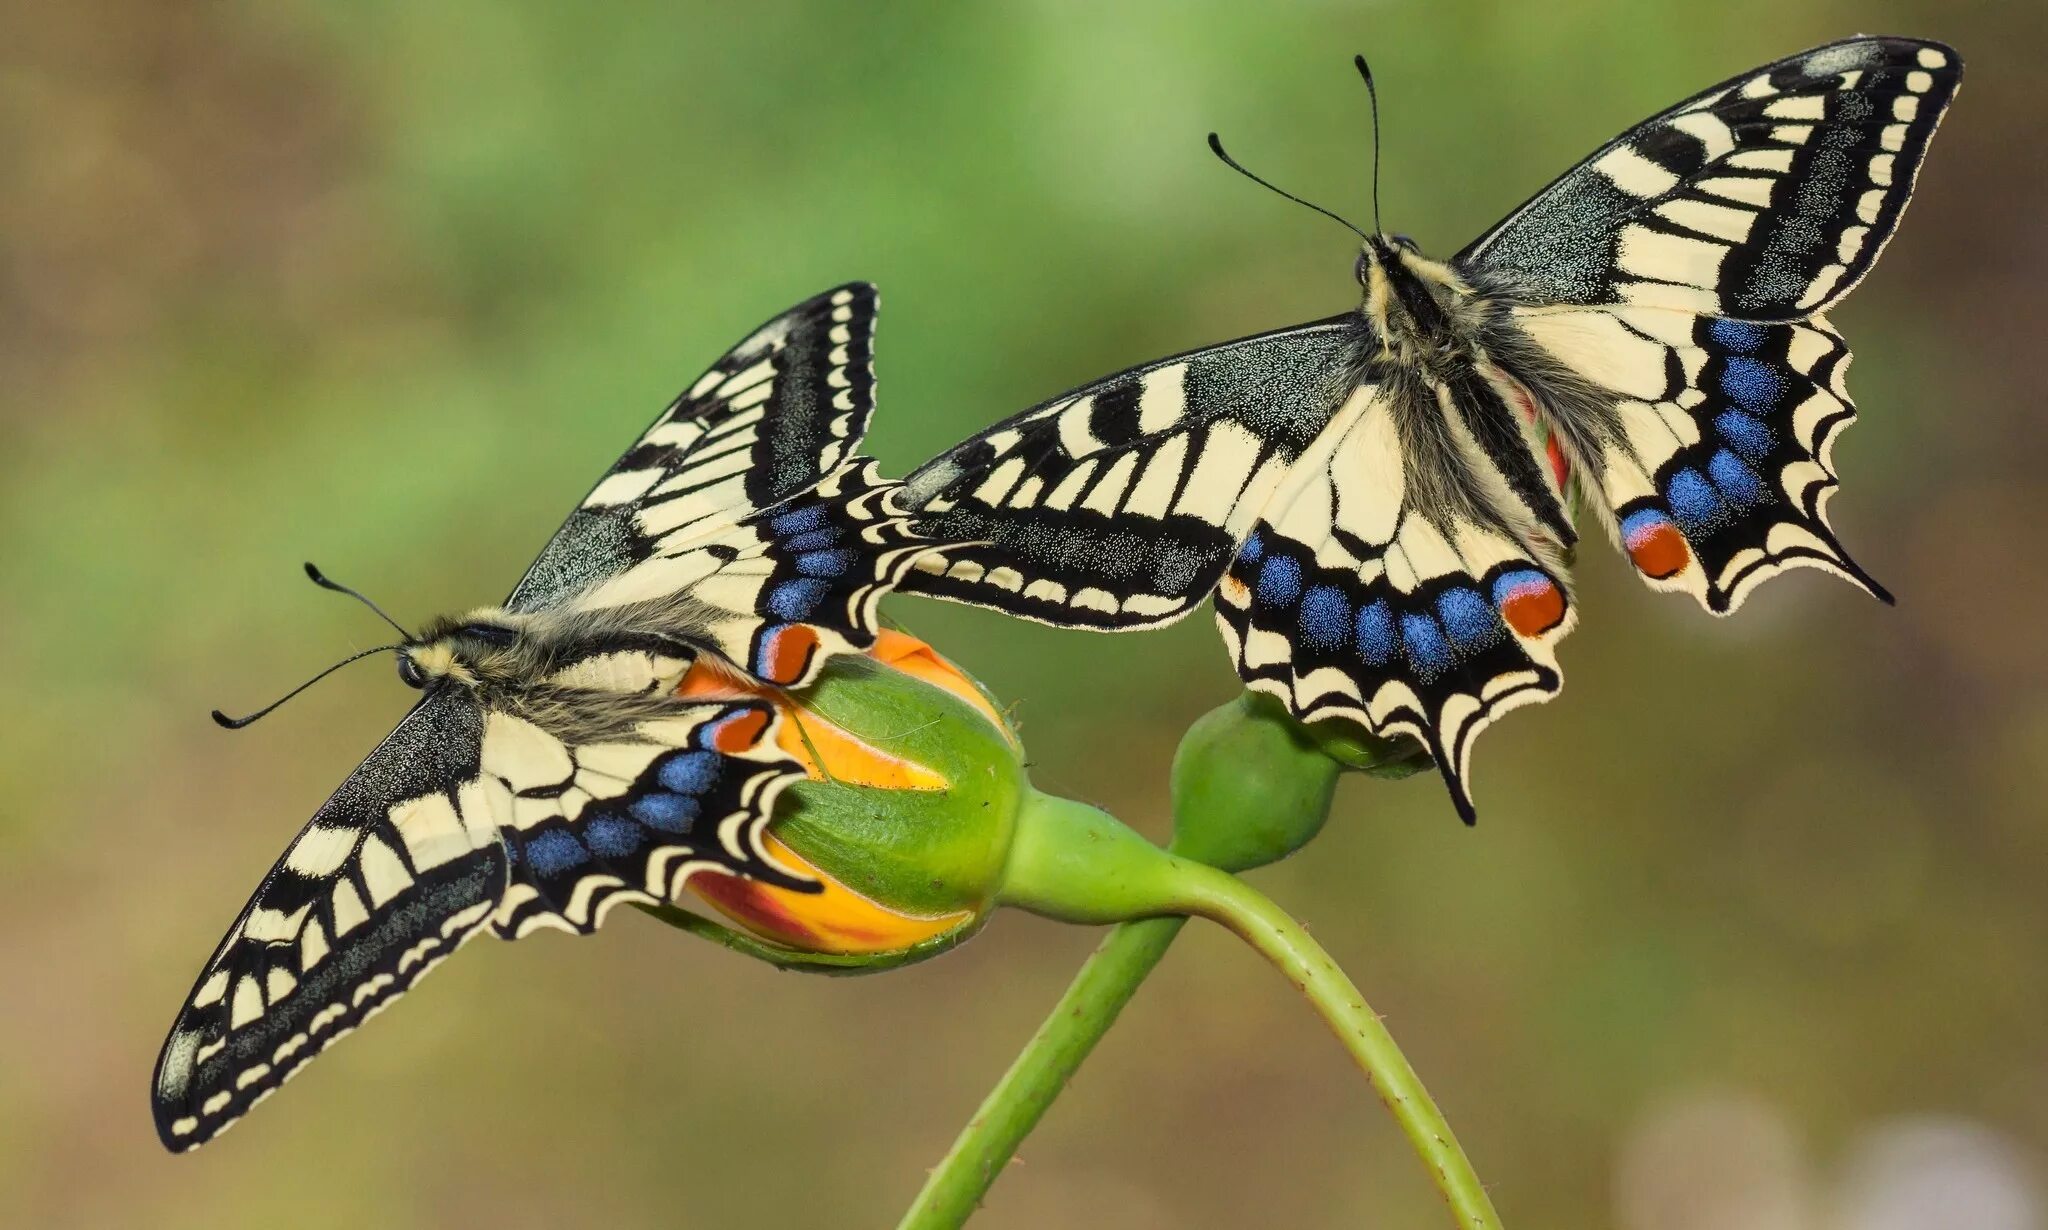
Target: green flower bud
[[1251, 784], [906, 818]]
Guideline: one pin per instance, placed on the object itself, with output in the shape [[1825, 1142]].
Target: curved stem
[[1106, 982], [1225, 899]]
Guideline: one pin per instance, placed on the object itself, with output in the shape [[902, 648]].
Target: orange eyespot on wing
[[1655, 544]]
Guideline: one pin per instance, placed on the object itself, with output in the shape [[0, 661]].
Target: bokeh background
[[1752, 935]]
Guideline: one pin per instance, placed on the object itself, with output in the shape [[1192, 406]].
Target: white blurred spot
[[1712, 1160], [1937, 1174]]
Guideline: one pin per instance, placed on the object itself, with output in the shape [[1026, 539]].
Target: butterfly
[[549, 771], [1381, 501]]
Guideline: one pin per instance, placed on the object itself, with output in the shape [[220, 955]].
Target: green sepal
[[922, 852]]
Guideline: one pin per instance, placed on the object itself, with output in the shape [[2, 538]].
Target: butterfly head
[[1415, 304], [471, 650]]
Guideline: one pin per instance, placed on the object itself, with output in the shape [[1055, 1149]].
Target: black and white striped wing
[[461, 821], [1766, 198], [1668, 295], [1366, 590], [780, 412], [1119, 505]]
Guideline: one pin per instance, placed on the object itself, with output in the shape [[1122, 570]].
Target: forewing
[[1705, 442], [1361, 593], [1767, 197], [776, 415], [1118, 505], [394, 872]]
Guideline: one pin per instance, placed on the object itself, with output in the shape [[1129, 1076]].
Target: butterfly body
[[1381, 501]]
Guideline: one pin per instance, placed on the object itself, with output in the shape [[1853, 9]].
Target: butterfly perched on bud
[[550, 769], [1382, 501]]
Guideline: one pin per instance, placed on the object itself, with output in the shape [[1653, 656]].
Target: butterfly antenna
[[321, 579], [1372, 92], [237, 723], [1216, 146]]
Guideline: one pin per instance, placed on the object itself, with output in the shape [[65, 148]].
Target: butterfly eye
[[409, 672], [1363, 270], [1405, 242], [495, 635]]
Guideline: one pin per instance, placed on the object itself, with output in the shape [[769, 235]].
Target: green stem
[[1079, 864], [1107, 981], [1225, 899]]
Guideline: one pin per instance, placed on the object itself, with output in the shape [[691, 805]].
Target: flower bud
[[1251, 784], [905, 819]]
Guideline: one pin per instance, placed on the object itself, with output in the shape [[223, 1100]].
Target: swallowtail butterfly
[[1380, 500], [549, 771]]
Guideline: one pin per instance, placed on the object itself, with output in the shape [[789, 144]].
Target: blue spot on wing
[[689, 772], [1375, 630], [1253, 550], [1642, 521], [1325, 617], [1505, 585], [1428, 651], [1750, 435], [1737, 335], [554, 852], [1468, 617], [1737, 481], [671, 813], [815, 540], [1279, 581], [613, 836], [794, 601], [1694, 502], [825, 563], [1753, 385], [796, 521]]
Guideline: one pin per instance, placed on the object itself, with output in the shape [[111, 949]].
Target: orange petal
[[835, 920]]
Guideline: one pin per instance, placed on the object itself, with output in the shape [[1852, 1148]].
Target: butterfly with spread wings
[[549, 770], [1380, 500]]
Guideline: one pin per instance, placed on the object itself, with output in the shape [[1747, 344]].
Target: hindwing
[[1705, 442], [1364, 592]]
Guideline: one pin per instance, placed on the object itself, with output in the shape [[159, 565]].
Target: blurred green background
[[1751, 935]]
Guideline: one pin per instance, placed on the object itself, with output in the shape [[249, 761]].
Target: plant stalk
[[1106, 982]]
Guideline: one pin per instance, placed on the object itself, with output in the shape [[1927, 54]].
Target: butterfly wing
[[1370, 589], [460, 821], [1119, 504], [1765, 198], [743, 510], [773, 417], [1666, 296]]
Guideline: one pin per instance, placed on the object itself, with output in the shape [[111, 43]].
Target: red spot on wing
[[739, 732], [1534, 608], [785, 653], [1659, 551], [1558, 465]]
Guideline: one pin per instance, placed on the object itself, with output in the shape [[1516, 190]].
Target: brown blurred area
[[1751, 935]]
